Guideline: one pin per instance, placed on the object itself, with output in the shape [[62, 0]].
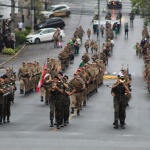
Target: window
[[45, 32]]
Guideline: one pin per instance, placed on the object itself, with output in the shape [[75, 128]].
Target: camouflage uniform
[[57, 98], [76, 98], [88, 33], [23, 76], [119, 91]]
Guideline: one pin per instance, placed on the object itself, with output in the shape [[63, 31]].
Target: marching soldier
[[77, 93], [92, 43], [87, 45], [46, 80], [119, 90], [95, 46], [89, 33], [23, 77], [1, 101], [67, 100], [56, 91]]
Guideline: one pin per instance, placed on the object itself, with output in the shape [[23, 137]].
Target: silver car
[[56, 11]]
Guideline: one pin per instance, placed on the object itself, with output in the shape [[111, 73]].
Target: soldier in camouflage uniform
[[23, 77], [57, 91], [87, 45], [1, 101], [119, 90], [77, 93], [92, 45], [67, 100], [89, 33], [45, 86]]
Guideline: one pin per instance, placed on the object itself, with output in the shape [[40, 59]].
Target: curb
[[1, 65], [109, 77]]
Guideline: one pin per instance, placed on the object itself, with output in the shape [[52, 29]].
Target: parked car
[[43, 35], [56, 11], [114, 4], [50, 23]]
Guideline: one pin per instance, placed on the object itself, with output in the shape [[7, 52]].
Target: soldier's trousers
[[66, 109], [58, 110], [8, 112], [52, 110], [1, 107], [22, 85], [42, 91], [120, 108], [76, 100]]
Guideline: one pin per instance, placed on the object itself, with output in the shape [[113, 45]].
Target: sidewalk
[[6, 58]]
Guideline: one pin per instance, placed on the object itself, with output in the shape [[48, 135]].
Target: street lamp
[[32, 14], [99, 28]]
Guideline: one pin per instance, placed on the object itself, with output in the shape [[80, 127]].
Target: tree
[[141, 7], [38, 7]]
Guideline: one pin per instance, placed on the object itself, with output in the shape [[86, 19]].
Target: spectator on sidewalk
[[20, 26]]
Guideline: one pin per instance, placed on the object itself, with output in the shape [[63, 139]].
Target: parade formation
[[66, 96]]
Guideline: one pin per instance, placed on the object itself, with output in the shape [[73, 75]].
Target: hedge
[[8, 51]]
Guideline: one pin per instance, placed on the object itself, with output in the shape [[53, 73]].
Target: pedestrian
[[126, 29], [119, 91], [126, 32], [116, 30], [97, 32], [20, 26]]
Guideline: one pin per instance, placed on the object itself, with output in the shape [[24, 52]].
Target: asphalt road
[[29, 127]]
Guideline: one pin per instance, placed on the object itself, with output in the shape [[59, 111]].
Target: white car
[[43, 35], [56, 11]]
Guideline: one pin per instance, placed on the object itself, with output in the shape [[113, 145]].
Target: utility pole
[[12, 15], [32, 14], [99, 46]]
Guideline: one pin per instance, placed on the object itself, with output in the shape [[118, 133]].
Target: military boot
[[1, 120], [51, 123], [116, 124], [8, 119], [65, 122], [41, 98], [4, 119], [46, 102], [78, 112], [21, 91], [84, 103], [72, 110], [122, 124], [58, 126]]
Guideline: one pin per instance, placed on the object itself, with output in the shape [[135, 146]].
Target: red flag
[[41, 79]]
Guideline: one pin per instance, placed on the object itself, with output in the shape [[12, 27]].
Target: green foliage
[[21, 37], [142, 7], [28, 28], [37, 13], [8, 51]]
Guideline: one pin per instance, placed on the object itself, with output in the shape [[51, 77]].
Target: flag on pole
[[41, 78]]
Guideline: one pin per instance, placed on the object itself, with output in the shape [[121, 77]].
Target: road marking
[[114, 73], [109, 77]]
